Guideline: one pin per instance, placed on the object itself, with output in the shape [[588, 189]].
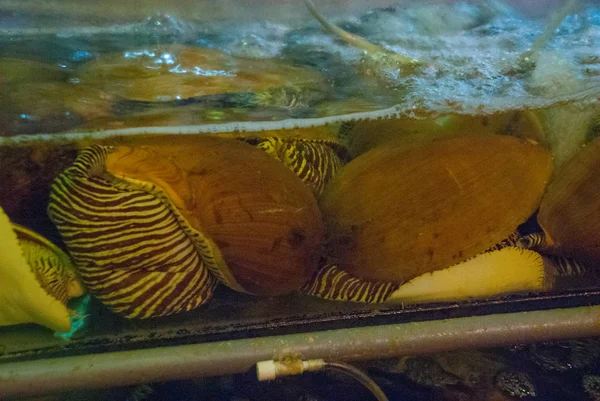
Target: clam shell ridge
[[131, 246], [393, 214]]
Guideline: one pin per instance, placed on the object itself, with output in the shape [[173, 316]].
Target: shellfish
[[50, 107], [37, 279], [315, 155], [432, 206], [569, 210], [14, 70], [151, 227], [421, 209], [368, 134], [507, 267], [177, 73]]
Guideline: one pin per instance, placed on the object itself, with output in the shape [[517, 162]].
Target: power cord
[[270, 370]]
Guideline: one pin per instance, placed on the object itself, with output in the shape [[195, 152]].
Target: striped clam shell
[[131, 245], [564, 266], [332, 283], [52, 268], [315, 162]]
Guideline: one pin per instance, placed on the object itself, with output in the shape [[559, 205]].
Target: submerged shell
[[393, 214], [180, 115], [36, 279], [483, 373], [368, 134], [570, 211], [159, 211], [178, 72], [49, 107], [314, 154], [13, 70]]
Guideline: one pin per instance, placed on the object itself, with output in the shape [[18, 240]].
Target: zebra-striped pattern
[[314, 161], [512, 240], [49, 270], [127, 241], [52, 267], [533, 241], [332, 283], [566, 267], [561, 266]]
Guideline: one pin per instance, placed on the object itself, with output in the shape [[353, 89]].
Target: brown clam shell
[[179, 72], [263, 218], [14, 70], [570, 211], [368, 134], [394, 213], [50, 107]]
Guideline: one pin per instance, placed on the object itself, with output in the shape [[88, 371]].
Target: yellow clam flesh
[[37, 279], [507, 268], [152, 227]]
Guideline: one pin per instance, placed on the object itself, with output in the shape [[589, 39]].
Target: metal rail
[[228, 357]]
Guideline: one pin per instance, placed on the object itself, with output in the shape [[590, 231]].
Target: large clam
[[398, 217], [176, 73], [37, 279], [569, 211], [150, 226]]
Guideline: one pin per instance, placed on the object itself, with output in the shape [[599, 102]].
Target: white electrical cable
[[270, 370]]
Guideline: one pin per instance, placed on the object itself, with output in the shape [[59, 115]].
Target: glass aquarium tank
[[208, 172]]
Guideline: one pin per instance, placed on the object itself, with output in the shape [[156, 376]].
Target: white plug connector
[[270, 370]]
